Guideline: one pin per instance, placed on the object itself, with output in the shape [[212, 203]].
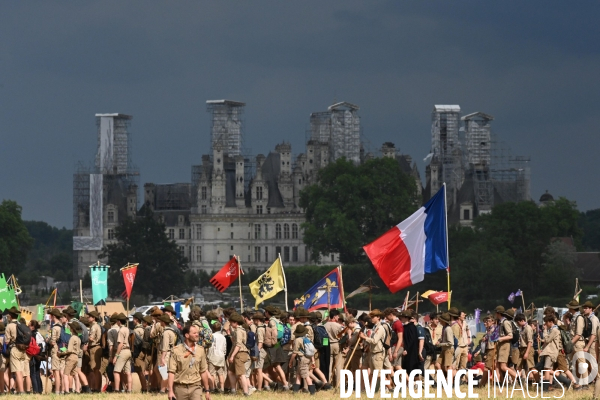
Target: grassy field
[[483, 394]]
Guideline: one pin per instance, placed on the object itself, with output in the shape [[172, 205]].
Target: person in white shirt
[[216, 358]]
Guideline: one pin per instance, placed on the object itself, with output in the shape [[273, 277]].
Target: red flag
[[129, 277], [438, 298], [226, 276]]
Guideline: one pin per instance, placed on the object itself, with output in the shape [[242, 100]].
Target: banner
[[99, 275], [40, 313], [128, 277], [439, 297], [226, 275], [327, 293], [361, 289], [268, 284], [7, 295]]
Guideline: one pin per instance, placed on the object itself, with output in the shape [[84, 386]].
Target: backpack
[[65, 336], [566, 339], [455, 338], [309, 347], [178, 336], [587, 327], [23, 340], [286, 335], [320, 336], [428, 345], [33, 349], [85, 333], [5, 349], [516, 334], [104, 341], [387, 337], [270, 336], [135, 343], [394, 335], [251, 344], [205, 333]]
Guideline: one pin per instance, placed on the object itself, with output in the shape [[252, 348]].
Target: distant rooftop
[[477, 114], [342, 104], [446, 108], [228, 102]]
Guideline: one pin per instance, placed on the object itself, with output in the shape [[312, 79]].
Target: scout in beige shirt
[[302, 360], [375, 342], [239, 353], [188, 369]]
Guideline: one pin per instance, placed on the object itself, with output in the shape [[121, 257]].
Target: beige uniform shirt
[[187, 366], [526, 336], [123, 337], [169, 337], [260, 333], [376, 340], [577, 325], [74, 345], [310, 333], [10, 334], [95, 334], [289, 345], [112, 336], [595, 325], [506, 328], [298, 347], [238, 338], [489, 344], [447, 338], [552, 344], [333, 330], [54, 336], [436, 334]]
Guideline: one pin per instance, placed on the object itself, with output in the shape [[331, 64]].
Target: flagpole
[[417, 306], [342, 287], [284, 282], [447, 250], [523, 298], [240, 281]]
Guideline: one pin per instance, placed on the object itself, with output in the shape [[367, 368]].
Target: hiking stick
[[352, 355]]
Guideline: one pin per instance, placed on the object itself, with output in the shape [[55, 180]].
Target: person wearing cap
[[503, 347], [121, 356], [354, 334], [447, 345], [525, 361], [95, 350], [549, 354], [396, 349], [217, 352], [288, 348], [171, 313], [375, 341], [435, 332], [139, 362], [411, 359], [168, 341], [302, 361], [276, 352], [259, 322], [58, 364], [71, 356], [4, 363], [588, 312], [188, 369], [238, 355], [18, 356], [156, 333]]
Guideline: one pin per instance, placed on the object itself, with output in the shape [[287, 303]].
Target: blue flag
[[99, 283], [328, 287], [511, 297]]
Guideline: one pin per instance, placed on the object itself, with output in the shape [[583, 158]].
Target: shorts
[[545, 363], [123, 363], [376, 360], [561, 363], [515, 356], [303, 364], [276, 354], [79, 362], [139, 364], [214, 370], [71, 365], [3, 363], [490, 356], [447, 356], [238, 366], [398, 361], [503, 352], [95, 357], [18, 360], [103, 365], [248, 366], [525, 363], [260, 362]]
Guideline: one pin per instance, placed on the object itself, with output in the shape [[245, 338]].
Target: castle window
[[203, 195], [286, 231], [256, 231], [231, 235], [111, 234], [182, 234], [257, 254], [277, 251], [111, 216], [278, 231], [259, 193], [182, 251], [199, 231], [199, 253], [295, 254], [467, 214], [286, 254], [259, 209], [171, 233], [266, 254], [203, 209], [266, 231], [294, 231]]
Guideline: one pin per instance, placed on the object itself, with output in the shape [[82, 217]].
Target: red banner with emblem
[[438, 298], [226, 276], [129, 277]]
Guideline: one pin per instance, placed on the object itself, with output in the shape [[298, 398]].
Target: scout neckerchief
[[190, 351]]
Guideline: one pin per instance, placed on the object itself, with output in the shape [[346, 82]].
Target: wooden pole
[[352, 354], [523, 298], [417, 305], [81, 291], [240, 281]]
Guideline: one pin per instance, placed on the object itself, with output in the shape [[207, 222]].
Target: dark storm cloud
[[533, 65]]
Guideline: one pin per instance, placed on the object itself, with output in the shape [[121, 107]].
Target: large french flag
[[415, 247]]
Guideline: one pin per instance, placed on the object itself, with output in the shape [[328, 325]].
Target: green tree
[[351, 205], [559, 267], [589, 222], [142, 240], [15, 241]]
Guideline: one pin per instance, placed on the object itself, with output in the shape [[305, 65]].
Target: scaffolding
[[226, 125], [477, 128], [511, 175], [339, 127], [446, 146], [114, 144]]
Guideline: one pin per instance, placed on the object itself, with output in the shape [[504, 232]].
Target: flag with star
[[7, 295]]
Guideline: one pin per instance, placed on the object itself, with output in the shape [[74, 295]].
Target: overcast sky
[[534, 66]]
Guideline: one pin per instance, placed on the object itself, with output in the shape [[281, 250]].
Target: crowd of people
[[299, 351]]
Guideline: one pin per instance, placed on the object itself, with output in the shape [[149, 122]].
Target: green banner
[[99, 283], [7, 295], [77, 306], [40, 312]]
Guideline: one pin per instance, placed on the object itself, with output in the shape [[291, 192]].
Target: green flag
[[77, 306], [7, 295], [40, 312]]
